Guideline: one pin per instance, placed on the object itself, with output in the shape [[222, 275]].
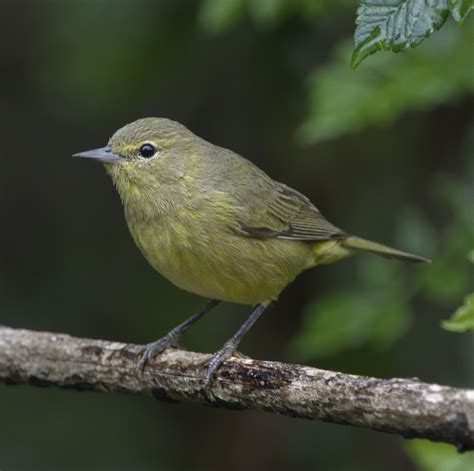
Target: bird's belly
[[222, 266]]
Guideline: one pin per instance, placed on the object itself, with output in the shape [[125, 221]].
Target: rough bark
[[407, 407]]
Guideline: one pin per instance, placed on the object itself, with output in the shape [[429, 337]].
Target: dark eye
[[147, 151]]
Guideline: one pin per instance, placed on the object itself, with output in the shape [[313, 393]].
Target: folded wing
[[285, 213]]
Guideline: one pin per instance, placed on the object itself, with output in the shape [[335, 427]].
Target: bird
[[216, 225]]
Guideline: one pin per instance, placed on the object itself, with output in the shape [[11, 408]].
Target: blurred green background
[[385, 151]]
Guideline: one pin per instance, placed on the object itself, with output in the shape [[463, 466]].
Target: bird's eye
[[147, 151]]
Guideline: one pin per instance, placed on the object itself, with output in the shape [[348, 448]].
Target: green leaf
[[431, 456], [463, 319], [395, 25], [460, 8], [342, 321], [343, 101]]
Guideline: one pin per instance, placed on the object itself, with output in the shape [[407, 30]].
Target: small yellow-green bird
[[214, 224]]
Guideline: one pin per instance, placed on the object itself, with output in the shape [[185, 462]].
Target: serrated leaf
[[463, 319], [395, 25], [460, 8]]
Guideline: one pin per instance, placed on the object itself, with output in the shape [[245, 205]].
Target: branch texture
[[407, 407]]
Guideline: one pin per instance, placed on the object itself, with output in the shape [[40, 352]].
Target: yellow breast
[[219, 264]]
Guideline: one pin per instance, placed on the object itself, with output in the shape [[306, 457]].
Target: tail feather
[[358, 243]]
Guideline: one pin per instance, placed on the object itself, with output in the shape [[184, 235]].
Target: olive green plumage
[[215, 224]]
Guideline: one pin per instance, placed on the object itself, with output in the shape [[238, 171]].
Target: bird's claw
[[215, 361], [168, 341]]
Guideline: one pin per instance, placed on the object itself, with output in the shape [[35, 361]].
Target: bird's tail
[[357, 243]]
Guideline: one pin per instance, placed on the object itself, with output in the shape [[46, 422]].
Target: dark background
[[384, 151]]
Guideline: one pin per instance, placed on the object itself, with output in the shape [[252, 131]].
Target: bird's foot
[[168, 341], [216, 359]]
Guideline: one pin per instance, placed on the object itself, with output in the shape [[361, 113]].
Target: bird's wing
[[284, 213]]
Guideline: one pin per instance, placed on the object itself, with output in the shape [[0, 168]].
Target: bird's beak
[[104, 154]]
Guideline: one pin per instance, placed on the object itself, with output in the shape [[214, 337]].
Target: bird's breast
[[202, 255]]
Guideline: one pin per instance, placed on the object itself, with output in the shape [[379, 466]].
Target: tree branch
[[404, 406]]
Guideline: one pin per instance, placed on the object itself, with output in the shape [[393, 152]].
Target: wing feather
[[288, 214]]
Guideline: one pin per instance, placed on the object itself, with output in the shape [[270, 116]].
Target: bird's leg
[[172, 337], [230, 347]]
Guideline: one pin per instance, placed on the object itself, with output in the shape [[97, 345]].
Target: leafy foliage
[[397, 25], [460, 8], [376, 312], [463, 319], [394, 25], [342, 101], [344, 321]]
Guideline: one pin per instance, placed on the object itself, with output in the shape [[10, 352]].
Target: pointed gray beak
[[104, 154]]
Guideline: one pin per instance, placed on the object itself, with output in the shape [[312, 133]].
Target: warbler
[[214, 224]]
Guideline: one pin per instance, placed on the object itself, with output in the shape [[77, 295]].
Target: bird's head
[[147, 152]]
